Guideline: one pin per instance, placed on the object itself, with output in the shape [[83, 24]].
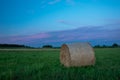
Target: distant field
[[45, 65], [28, 49]]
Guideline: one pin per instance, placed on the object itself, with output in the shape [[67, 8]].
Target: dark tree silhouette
[[97, 46], [13, 46], [115, 45], [47, 46]]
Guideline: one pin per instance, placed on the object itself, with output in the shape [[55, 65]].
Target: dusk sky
[[39, 22]]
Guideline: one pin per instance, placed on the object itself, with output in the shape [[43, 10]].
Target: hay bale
[[77, 54]]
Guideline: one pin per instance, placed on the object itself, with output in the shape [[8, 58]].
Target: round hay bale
[[77, 54]]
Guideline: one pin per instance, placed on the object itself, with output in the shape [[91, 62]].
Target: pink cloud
[[30, 37], [79, 34]]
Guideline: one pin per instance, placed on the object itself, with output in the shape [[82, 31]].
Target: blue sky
[[39, 22]]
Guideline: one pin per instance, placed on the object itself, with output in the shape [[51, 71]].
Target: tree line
[[13, 46], [115, 45]]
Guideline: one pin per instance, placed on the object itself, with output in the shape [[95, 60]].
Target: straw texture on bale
[[77, 54]]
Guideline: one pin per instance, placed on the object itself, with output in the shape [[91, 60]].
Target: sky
[[40, 22]]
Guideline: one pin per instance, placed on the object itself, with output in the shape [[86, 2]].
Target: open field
[[45, 65], [28, 49]]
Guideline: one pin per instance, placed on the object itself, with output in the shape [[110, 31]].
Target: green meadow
[[45, 65]]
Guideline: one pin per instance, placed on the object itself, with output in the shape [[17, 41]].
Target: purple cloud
[[25, 38], [94, 34]]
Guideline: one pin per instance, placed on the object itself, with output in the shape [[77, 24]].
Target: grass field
[[45, 65]]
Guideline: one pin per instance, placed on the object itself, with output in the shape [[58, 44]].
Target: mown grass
[[45, 65]]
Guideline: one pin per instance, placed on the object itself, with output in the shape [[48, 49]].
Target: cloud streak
[[54, 2], [44, 3], [69, 23], [94, 34]]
